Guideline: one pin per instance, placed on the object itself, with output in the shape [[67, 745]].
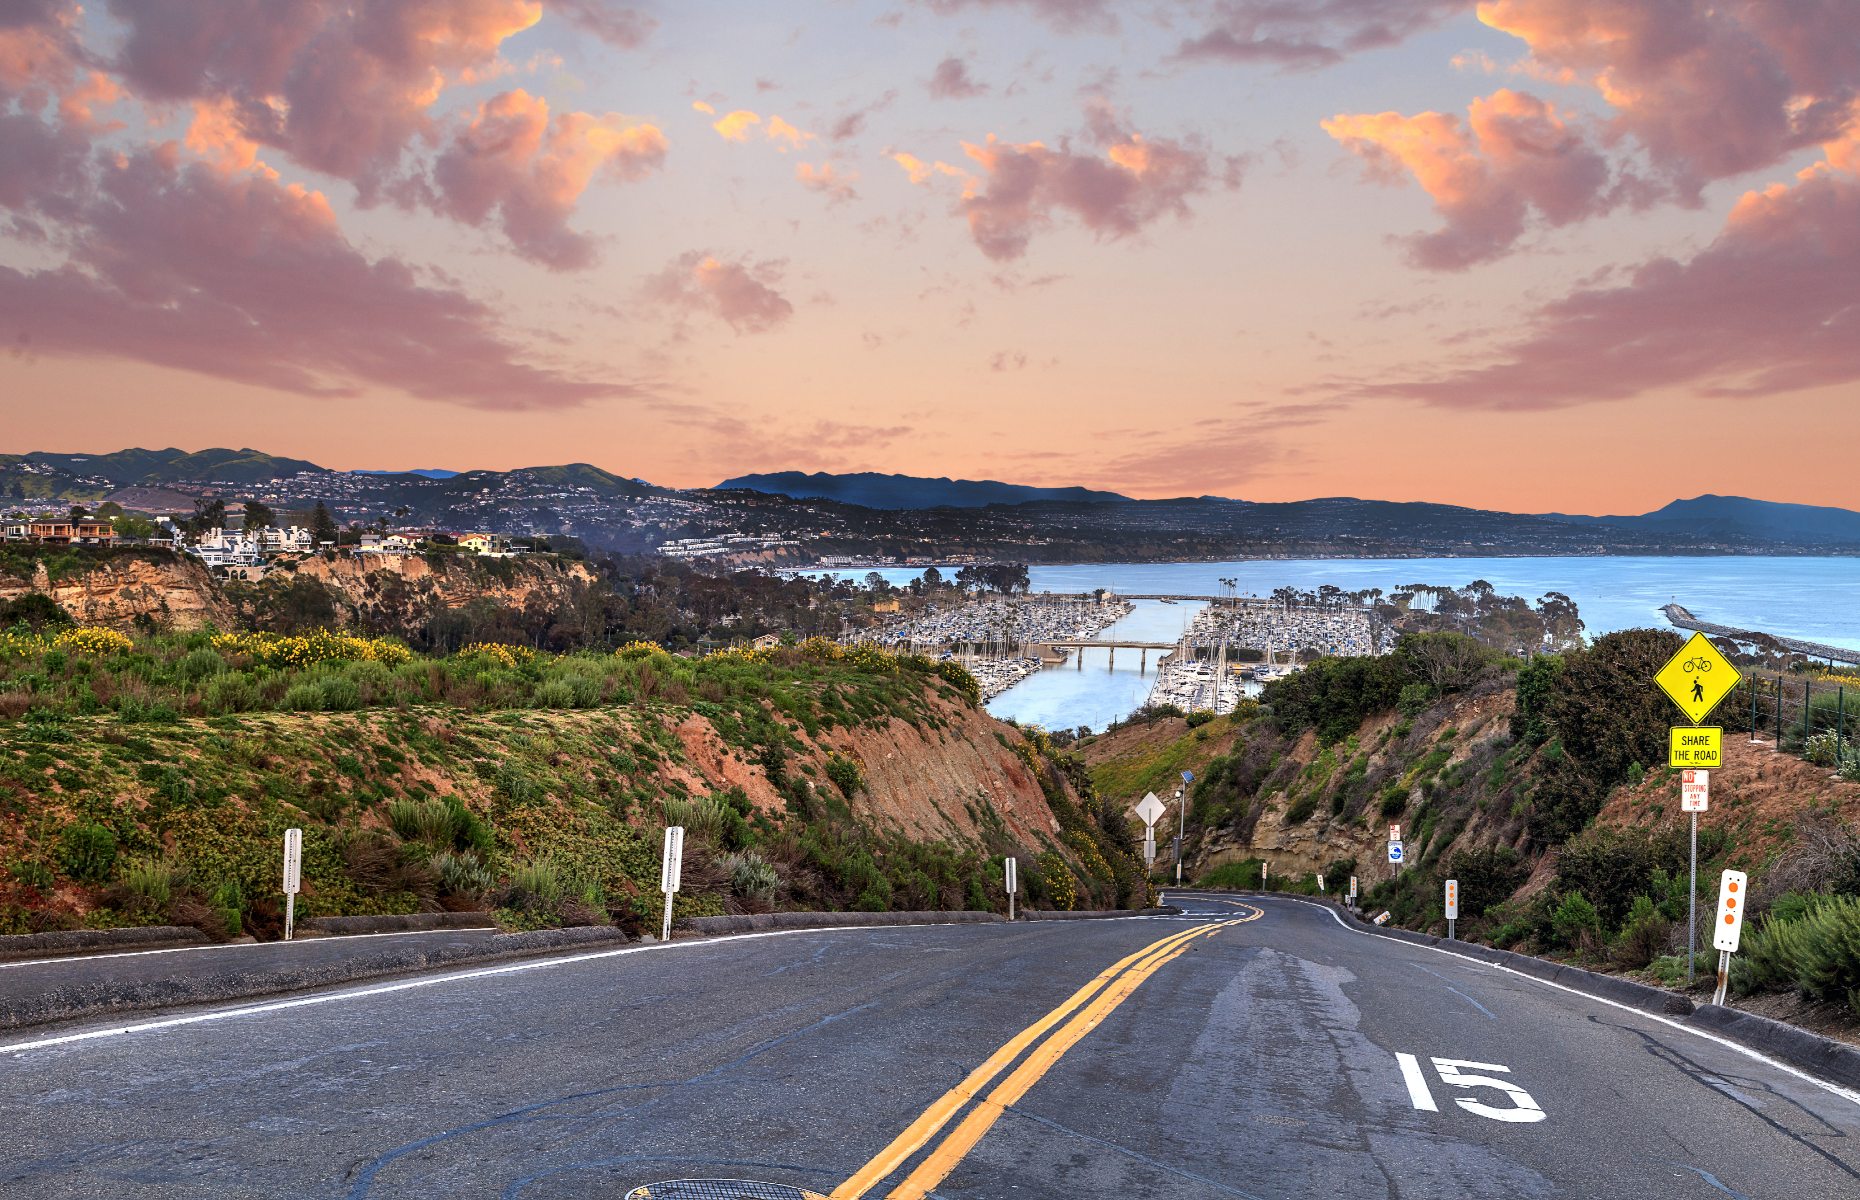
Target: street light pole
[[1181, 831]]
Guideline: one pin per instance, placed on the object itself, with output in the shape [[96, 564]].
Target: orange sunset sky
[[1574, 255]]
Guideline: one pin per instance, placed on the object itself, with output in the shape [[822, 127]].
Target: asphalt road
[[1278, 1056]]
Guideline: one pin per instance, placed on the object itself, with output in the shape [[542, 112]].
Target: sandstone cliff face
[[174, 592], [371, 579], [178, 592], [923, 783]]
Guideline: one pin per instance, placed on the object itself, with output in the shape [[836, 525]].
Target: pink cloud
[[241, 278], [1064, 15], [531, 168], [621, 25], [1514, 157], [1021, 187], [341, 88], [1771, 306], [1708, 90], [1697, 91], [740, 294], [837, 188], [951, 81], [1313, 33]]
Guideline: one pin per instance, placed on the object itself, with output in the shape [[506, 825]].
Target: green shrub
[[1643, 935], [1414, 698], [1199, 718], [1487, 876], [87, 851], [1394, 800], [231, 692], [1817, 953], [1576, 924], [534, 885], [428, 821], [151, 880], [845, 774], [752, 877], [1244, 875], [462, 874], [701, 816], [1301, 809]]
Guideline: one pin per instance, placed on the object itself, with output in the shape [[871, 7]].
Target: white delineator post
[[1012, 879], [1694, 798], [1181, 829], [671, 867], [1733, 887], [1452, 905], [293, 877]]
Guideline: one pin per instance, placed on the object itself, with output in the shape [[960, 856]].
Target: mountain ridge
[[877, 490]]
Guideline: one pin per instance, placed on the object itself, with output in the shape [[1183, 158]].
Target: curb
[[90, 1000], [1100, 914], [399, 923], [78, 941], [757, 922], [1822, 1057], [1813, 1053]]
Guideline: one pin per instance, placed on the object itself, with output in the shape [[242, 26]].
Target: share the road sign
[[1699, 747], [1697, 678]]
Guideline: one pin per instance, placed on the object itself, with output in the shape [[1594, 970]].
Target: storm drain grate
[[718, 1189]]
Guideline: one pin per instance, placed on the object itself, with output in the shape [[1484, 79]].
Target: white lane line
[[1833, 1089], [301, 941], [408, 985], [1418, 1094]]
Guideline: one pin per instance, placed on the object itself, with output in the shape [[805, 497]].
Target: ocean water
[[1817, 599]]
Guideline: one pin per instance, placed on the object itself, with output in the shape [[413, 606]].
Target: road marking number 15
[[1453, 1073]]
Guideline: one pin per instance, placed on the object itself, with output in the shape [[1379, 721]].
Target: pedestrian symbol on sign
[[1698, 691]]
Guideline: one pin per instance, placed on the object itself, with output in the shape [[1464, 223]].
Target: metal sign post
[[671, 869], [1694, 798], [1148, 809], [1012, 880], [1453, 905], [293, 877], [1733, 887]]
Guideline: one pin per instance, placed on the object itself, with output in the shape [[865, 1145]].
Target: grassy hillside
[[1541, 787], [150, 780]]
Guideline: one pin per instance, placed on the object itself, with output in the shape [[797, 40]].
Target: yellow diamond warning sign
[[1696, 747], [1697, 678]]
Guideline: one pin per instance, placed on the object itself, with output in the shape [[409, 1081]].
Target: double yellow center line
[[1086, 1008]]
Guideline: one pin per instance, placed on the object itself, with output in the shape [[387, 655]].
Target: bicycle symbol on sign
[[1700, 664]]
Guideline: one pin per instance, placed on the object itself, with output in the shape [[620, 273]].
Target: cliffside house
[[62, 532]]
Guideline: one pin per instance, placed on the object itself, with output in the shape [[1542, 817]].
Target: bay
[[1814, 598]]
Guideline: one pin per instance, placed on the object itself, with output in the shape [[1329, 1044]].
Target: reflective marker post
[[1733, 887], [1453, 905], [293, 877], [1013, 884], [671, 869]]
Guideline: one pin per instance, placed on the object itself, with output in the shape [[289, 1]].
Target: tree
[[876, 583], [208, 514], [35, 610], [932, 579], [257, 516], [135, 528], [322, 525]]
